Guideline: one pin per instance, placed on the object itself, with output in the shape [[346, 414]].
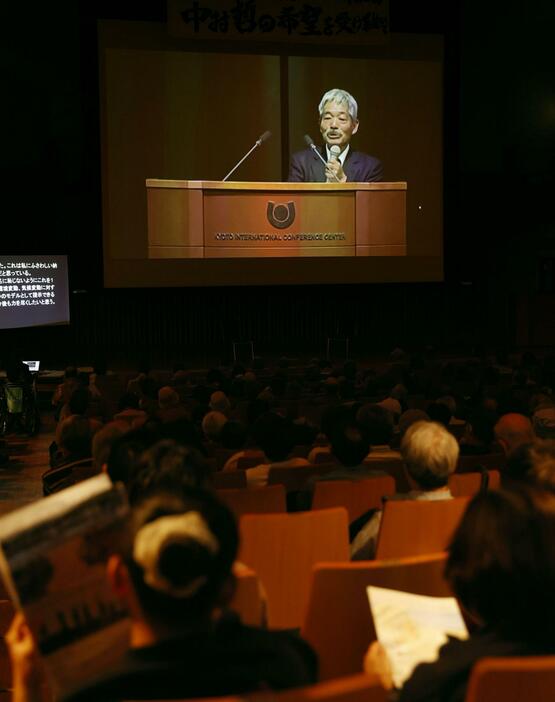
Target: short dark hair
[[439, 412], [183, 561], [377, 424], [79, 401], [233, 435], [349, 445], [167, 466], [274, 435], [501, 562], [75, 436]]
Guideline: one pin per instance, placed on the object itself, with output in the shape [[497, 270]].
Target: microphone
[[335, 151], [310, 143], [262, 138]]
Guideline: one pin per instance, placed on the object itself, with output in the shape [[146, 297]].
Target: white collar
[[342, 156]]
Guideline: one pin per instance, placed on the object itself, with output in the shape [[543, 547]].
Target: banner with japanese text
[[295, 21]]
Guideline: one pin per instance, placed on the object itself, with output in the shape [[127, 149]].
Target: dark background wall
[[499, 184]]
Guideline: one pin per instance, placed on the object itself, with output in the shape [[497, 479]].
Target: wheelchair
[[19, 408]]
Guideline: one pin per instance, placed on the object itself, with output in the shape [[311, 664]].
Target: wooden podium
[[209, 219]]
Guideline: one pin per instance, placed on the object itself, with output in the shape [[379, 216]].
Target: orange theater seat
[[338, 622], [282, 548], [524, 679], [256, 500], [357, 496], [418, 527], [468, 484]]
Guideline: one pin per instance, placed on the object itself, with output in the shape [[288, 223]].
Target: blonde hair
[[430, 453]]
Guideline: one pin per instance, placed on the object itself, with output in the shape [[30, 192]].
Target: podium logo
[[281, 216]]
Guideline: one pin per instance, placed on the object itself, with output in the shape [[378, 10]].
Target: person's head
[[274, 435], [544, 422], [430, 454], [439, 412], [212, 425], [167, 466], [482, 421], [70, 372], [126, 451], [410, 417], [501, 563], [103, 440], [174, 562], [349, 445], [233, 435], [167, 397], [74, 436], [513, 430], [219, 402], [79, 401], [100, 366], [128, 401], [542, 462], [338, 112], [377, 424]]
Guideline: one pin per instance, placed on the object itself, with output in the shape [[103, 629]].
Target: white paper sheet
[[412, 628]]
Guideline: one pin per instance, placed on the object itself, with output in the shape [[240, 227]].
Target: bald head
[[512, 431]]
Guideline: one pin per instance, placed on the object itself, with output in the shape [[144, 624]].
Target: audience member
[[173, 569], [219, 402], [501, 567], [129, 412], [377, 424], [430, 455], [103, 440], [65, 390], [542, 462], [349, 448], [480, 438], [170, 408], [274, 435], [212, 425], [74, 439], [512, 431], [168, 467]]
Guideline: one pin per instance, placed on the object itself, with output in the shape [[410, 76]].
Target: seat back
[[249, 598], [517, 679], [354, 688], [256, 500], [395, 468], [246, 462], [468, 484], [357, 496], [490, 461], [338, 621], [418, 527], [282, 548], [64, 476], [295, 479], [231, 479]]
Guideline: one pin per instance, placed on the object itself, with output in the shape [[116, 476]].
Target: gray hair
[[342, 97], [430, 454]]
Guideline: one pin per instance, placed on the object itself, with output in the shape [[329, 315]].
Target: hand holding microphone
[[331, 177], [334, 169]]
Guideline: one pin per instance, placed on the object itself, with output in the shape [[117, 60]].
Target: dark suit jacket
[[306, 167]]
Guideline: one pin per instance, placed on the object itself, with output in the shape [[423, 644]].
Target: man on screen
[[338, 122]]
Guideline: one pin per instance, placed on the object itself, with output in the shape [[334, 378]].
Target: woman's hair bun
[[175, 553]]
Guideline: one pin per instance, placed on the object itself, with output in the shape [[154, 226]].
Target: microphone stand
[[256, 145], [314, 148]]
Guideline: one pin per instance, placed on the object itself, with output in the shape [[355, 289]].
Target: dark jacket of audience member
[[501, 567]]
